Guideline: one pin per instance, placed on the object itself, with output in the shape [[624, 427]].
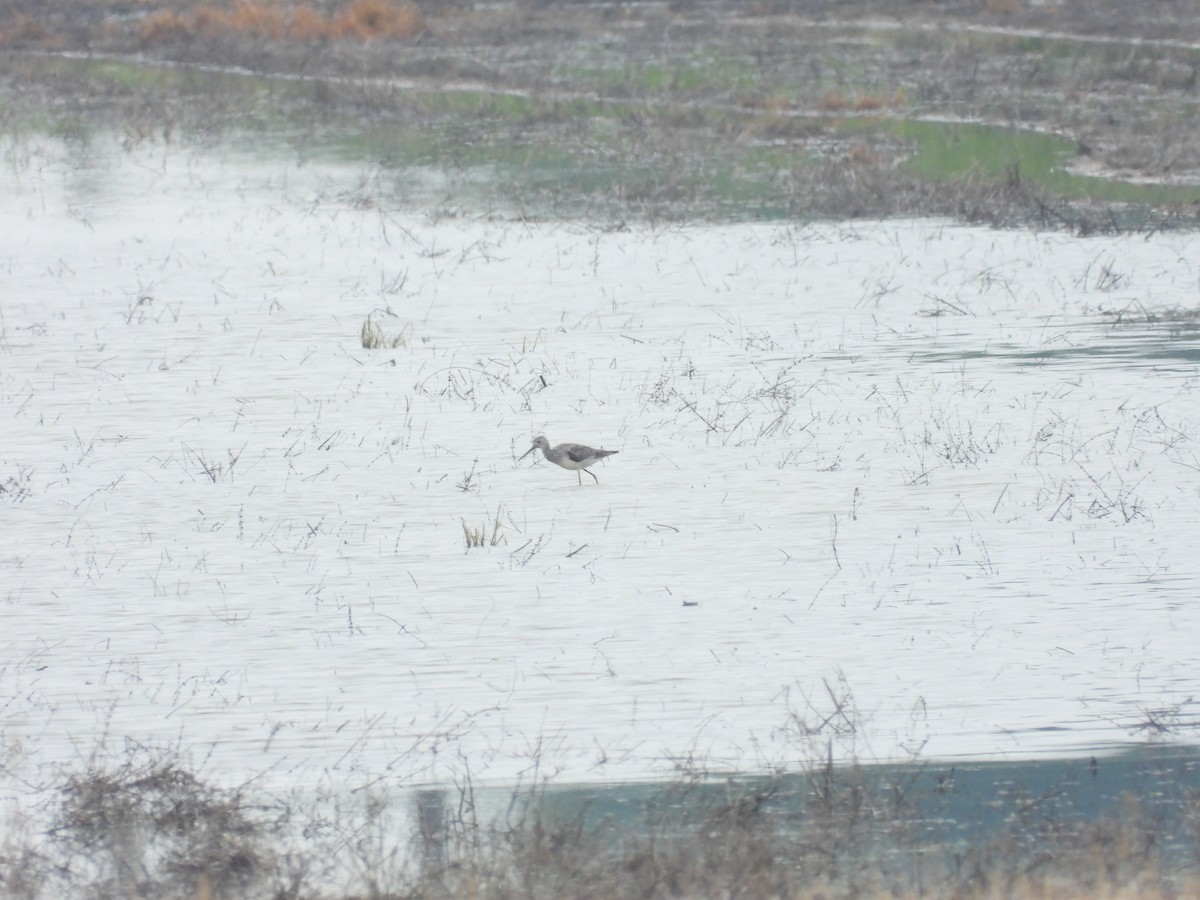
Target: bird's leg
[[590, 473]]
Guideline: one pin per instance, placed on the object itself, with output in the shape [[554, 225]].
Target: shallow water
[[907, 487], [913, 813]]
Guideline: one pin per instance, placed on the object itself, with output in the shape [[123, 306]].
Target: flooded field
[[901, 488]]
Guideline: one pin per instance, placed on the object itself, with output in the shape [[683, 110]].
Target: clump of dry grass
[[151, 827], [373, 337], [366, 19], [479, 537]]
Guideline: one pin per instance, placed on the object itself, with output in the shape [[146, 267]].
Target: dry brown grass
[[367, 19], [833, 101], [836, 101], [307, 24], [23, 28], [361, 20], [164, 26]]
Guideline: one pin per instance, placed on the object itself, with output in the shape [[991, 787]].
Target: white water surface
[[926, 467]]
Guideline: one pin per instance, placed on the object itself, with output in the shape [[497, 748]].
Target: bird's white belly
[[567, 463]]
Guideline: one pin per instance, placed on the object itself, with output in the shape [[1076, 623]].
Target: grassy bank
[[660, 112]]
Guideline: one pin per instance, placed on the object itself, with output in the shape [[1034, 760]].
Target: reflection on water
[[923, 464], [1091, 343]]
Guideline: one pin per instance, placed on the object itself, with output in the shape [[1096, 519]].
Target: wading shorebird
[[569, 456]]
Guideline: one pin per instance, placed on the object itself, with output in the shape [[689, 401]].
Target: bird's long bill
[[526, 453]]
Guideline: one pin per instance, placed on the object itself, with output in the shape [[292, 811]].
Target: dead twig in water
[[833, 541]]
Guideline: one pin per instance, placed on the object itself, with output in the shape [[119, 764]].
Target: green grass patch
[[952, 151]]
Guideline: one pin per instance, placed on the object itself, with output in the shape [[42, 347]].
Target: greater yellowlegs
[[569, 456]]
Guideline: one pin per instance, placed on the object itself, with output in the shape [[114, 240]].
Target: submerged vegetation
[[1009, 114]]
